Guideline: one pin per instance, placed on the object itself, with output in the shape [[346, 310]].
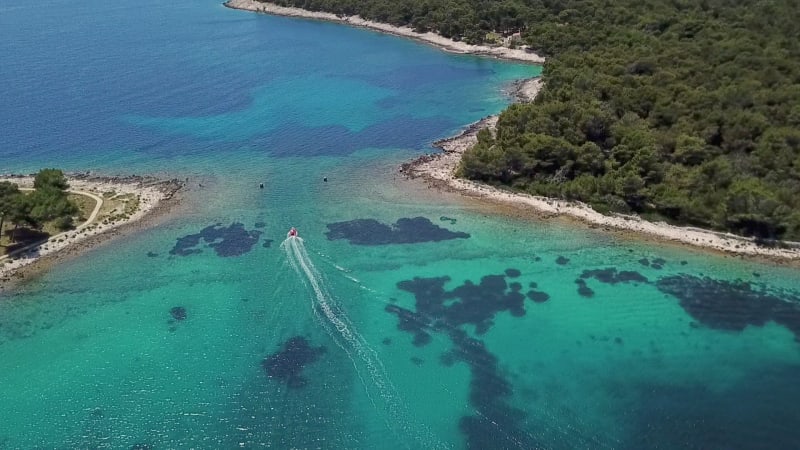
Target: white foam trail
[[346, 273], [338, 325]]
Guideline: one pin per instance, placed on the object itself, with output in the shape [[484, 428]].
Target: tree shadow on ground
[[22, 238]]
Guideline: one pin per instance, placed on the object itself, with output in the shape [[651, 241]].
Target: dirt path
[[98, 204]]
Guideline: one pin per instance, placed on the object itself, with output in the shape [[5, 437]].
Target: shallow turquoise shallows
[[401, 318]]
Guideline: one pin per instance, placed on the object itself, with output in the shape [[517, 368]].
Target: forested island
[[681, 111]]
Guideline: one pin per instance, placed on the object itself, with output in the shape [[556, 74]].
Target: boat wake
[[334, 320]]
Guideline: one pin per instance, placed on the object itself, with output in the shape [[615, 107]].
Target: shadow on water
[[404, 231], [233, 240], [755, 412], [733, 305], [287, 364], [495, 424], [335, 321]]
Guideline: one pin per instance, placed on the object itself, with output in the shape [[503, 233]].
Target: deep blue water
[[406, 318], [150, 82]]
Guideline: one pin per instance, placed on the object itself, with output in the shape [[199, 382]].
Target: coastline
[[155, 198], [438, 170], [430, 38]]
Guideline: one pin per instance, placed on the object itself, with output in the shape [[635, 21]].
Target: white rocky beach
[[144, 193], [514, 54]]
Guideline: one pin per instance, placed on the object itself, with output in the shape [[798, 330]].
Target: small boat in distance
[[292, 232]]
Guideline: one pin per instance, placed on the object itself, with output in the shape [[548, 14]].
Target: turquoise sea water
[[460, 329]]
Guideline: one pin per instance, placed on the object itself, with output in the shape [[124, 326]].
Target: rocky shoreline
[[438, 171], [430, 38], [156, 199]]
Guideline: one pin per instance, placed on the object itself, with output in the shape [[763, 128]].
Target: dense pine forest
[[684, 110]]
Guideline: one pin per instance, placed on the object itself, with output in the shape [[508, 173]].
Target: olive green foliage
[[47, 203], [50, 179], [467, 20], [685, 110], [9, 201]]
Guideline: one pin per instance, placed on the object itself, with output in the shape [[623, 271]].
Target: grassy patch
[[85, 206], [116, 207], [121, 207], [4, 240]]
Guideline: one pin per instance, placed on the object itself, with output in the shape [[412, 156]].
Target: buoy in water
[[261, 185]]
